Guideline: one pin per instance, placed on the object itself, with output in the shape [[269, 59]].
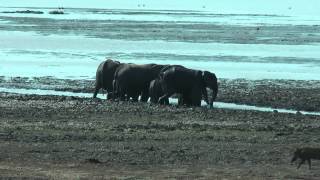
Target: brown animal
[[306, 154]]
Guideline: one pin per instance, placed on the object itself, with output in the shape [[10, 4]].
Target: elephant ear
[[160, 76], [207, 76], [201, 77], [199, 74]]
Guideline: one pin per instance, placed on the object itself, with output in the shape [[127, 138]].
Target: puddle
[[48, 92], [173, 101], [255, 108]]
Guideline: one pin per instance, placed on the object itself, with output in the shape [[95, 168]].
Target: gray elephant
[[155, 91], [105, 75], [131, 80], [189, 83]]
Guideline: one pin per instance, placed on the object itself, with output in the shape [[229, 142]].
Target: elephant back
[[108, 70]]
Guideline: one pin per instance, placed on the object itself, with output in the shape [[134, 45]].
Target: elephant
[[132, 80], [155, 91], [189, 83], [105, 75]]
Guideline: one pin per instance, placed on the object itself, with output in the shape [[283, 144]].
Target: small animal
[[304, 154]]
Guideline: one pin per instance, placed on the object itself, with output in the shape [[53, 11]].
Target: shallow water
[[77, 57], [169, 16]]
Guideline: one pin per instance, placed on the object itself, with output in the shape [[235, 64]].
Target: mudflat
[[71, 137]]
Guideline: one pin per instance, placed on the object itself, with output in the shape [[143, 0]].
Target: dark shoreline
[[286, 94]]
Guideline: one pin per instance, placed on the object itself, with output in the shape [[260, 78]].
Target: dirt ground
[[55, 137]]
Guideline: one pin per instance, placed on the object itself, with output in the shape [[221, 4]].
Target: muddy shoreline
[[287, 94]]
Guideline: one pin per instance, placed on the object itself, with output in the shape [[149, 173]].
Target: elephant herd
[[127, 81]]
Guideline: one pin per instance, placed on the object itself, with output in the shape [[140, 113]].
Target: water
[[287, 7], [78, 57], [242, 39]]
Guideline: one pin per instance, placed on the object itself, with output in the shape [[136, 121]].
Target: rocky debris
[[56, 12]]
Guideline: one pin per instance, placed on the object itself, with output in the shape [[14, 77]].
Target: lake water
[[32, 46]]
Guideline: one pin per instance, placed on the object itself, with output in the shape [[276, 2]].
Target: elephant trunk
[[214, 88], [210, 81], [214, 95]]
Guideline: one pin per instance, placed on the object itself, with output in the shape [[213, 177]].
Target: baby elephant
[[306, 154]]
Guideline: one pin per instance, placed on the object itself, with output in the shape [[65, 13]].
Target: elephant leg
[[163, 101], [309, 163], [121, 94], [168, 92], [96, 89], [301, 162], [144, 96], [98, 84], [204, 93], [196, 100], [115, 90], [180, 100], [186, 99], [120, 91], [153, 99], [196, 96], [109, 95], [165, 98], [166, 101], [132, 94], [135, 98], [95, 93]]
